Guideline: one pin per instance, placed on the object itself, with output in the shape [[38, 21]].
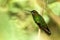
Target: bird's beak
[[29, 11]]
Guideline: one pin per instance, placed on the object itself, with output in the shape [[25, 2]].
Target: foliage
[[21, 26]]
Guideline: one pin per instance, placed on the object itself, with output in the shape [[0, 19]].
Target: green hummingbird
[[40, 22]]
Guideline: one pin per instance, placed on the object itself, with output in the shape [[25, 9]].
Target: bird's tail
[[46, 29]]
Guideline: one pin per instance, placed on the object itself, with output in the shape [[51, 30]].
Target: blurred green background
[[17, 24]]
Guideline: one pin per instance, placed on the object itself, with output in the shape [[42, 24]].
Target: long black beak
[[33, 11]]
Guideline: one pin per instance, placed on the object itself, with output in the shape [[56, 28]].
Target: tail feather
[[46, 29]]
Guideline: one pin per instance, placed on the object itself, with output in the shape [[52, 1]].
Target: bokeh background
[[16, 23]]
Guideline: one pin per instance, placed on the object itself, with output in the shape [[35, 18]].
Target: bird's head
[[34, 12]]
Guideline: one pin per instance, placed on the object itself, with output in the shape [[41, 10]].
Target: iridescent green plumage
[[40, 21]]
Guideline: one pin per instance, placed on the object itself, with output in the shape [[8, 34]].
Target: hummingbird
[[39, 20]]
